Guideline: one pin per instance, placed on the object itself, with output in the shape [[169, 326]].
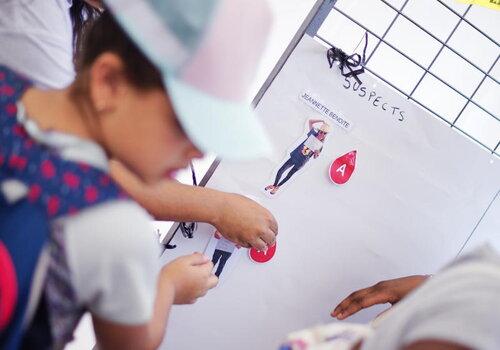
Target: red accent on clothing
[[53, 205], [105, 180], [17, 162], [34, 192], [91, 194], [70, 179], [19, 131], [11, 109], [84, 167], [7, 90], [48, 169], [8, 287]]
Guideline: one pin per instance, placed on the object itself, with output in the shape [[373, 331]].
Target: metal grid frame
[[426, 70]]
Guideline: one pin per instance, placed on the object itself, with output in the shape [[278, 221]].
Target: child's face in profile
[[150, 140], [139, 127]]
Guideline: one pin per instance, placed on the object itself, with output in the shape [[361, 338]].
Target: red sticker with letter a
[[342, 168], [262, 256]]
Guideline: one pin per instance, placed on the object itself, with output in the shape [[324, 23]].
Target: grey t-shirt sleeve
[[113, 257], [460, 304], [465, 309]]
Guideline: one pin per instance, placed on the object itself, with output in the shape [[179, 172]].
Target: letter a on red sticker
[[342, 168]]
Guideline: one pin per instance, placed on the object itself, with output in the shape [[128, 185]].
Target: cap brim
[[230, 130]]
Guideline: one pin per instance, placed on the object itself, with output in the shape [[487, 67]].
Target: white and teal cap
[[207, 51]]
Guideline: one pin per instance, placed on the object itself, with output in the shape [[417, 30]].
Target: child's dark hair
[[82, 15], [106, 35]]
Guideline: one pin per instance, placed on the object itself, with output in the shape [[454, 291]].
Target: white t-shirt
[[460, 304], [36, 40], [313, 143], [106, 256]]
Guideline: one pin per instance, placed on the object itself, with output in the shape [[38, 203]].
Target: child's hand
[[390, 291], [245, 222], [191, 276]]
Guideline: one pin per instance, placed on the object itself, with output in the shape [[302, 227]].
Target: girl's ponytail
[[82, 15]]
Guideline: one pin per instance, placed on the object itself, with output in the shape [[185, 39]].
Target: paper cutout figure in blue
[[311, 147]]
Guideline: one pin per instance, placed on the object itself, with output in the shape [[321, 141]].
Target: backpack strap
[[61, 186], [56, 188], [23, 241]]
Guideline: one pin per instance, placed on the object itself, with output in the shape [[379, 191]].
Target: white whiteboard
[[417, 193], [488, 230]]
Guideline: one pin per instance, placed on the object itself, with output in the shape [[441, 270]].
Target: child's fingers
[[212, 281], [204, 269], [207, 268], [269, 237], [360, 300], [198, 259], [273, 225], [259, 244], [242, 244]]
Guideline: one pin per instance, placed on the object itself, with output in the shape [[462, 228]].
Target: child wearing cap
[[100, 256], [37, 40], [209, 66]]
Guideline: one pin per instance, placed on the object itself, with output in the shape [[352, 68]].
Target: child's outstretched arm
[[390, 291], [253, 226], [182, 281]]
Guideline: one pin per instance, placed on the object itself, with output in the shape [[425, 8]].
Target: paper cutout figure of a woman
[[311, 147]]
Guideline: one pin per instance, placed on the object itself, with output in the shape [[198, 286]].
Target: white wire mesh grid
[[440, 54]]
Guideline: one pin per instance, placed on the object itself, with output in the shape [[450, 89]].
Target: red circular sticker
[[342, 168], [262, 256]]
